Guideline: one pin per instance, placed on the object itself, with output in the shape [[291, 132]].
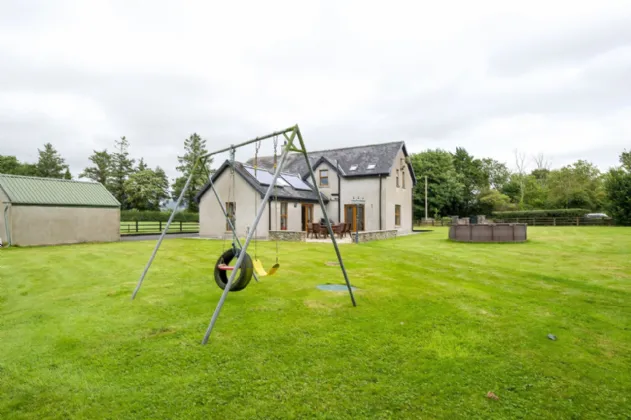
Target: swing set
[[245, 267]]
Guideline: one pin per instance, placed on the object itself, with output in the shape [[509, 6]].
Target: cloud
[[489, 76]]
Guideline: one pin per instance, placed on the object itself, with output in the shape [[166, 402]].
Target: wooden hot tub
[[492, 232]]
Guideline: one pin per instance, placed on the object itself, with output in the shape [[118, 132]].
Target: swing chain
[[256, 160], [231, 211], [276, 192]]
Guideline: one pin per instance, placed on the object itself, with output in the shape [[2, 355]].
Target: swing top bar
[[245, 143]]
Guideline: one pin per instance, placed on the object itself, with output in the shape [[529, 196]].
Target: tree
[[473, 178], [444, 189], [618, 189], [101, 169], [50, 163], [535, 194], [194, 147], [541, 175], [67, 174], [493, 200], [496, 173], [11, 165], [541, 162], [141, 165], [120, 168], [147, 189], [625, 160], [28, 169], [579, 185], [520, 164]]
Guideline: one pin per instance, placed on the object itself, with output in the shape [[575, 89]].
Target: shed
[[50, 211]]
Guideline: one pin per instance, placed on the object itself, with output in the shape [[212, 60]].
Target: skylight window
[[371, 166], [353, 167]]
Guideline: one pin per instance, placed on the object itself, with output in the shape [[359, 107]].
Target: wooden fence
[[557, 221], [139, 228], [532, 221]]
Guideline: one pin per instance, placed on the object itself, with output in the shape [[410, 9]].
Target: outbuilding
[[50, 211]]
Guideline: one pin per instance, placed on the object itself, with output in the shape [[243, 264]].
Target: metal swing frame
[[291, 134]]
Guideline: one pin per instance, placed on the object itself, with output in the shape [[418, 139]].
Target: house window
[[283, 215], [231, 210], [397, 215], [324, 177], [398, 183], [403, 178]]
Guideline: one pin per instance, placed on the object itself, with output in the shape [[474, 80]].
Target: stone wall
[[375, 235], [287, 236]]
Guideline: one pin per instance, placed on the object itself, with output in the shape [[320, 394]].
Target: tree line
[[461, 184], [134, 184], [458, 182]]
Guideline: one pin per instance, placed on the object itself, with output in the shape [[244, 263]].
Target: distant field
[[157, 227], [438, 325]]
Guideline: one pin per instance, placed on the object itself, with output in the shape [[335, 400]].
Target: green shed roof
[[28, 190]]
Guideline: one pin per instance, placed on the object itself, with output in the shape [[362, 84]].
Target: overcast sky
[[489, 76]]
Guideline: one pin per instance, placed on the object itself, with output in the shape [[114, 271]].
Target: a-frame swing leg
[[166, 229], [326, 216], [259, 214]]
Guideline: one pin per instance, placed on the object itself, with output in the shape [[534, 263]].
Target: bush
[[157, 216], [541, 213]]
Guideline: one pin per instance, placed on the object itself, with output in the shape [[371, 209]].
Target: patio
[[318, 232]]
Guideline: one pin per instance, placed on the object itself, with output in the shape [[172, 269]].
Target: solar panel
[[265, 178], [296, 182]]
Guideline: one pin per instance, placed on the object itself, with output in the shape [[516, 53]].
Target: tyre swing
[[222, 266], [248, 266]]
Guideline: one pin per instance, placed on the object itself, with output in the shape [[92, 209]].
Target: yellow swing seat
[[260, 271]]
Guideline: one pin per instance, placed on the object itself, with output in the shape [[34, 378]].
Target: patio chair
[[342, 230], [312, 230]]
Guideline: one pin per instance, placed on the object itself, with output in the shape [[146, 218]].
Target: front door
[[354, 214], [307, 215]]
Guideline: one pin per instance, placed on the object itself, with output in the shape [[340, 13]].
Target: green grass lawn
[[157, 227], [438, 325]]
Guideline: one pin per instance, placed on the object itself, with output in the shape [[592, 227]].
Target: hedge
[[541, 213], [157, 216]]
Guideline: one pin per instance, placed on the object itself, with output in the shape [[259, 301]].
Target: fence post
[[160, 224], [554, 221], [534, 223], [577, 221], [136, 226], [180, 226]]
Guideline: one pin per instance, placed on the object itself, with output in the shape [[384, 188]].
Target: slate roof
[[284, 193], [29, 190], [381, 155]]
